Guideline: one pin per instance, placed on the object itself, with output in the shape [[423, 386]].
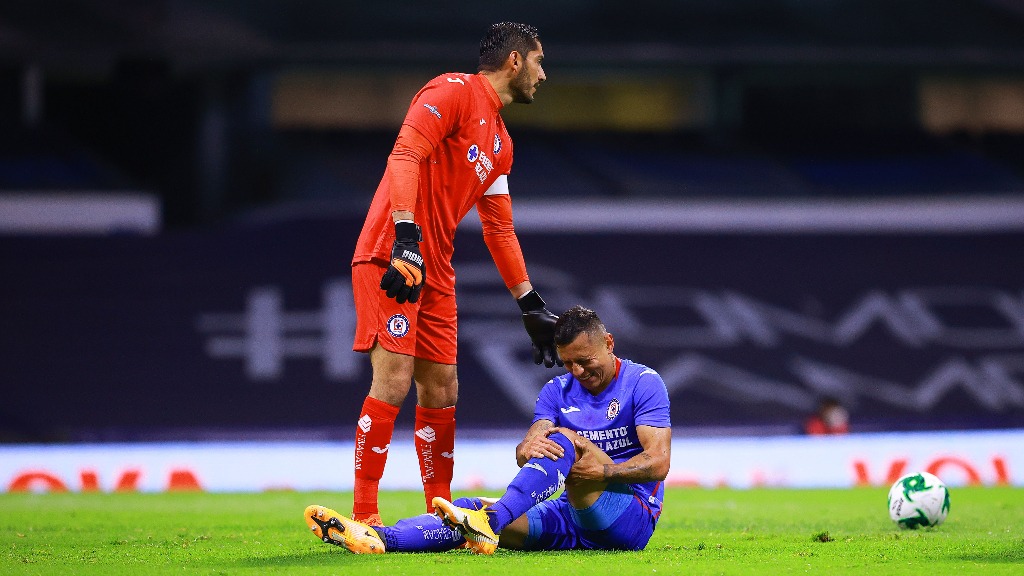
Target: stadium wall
[[872, 460], [910, 313]]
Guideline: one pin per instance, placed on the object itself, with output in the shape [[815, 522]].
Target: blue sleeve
[[650, 401], [547, 403]]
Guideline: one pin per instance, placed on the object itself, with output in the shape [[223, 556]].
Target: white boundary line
[[79, 212], [980, 214], [992, 457]]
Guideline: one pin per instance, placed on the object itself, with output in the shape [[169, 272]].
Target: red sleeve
[[437, 109], [433, 114], [410, 149], [500, 236]]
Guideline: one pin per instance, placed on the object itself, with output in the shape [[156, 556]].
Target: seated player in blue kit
[[602, 431]]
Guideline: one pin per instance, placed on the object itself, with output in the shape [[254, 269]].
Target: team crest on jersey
[[497, 143], [613, 409], [473, 154], [398, 325]]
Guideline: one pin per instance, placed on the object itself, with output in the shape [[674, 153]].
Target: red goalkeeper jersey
[[471, 156]]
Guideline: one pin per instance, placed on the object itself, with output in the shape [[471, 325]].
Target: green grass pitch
[[713, 531]]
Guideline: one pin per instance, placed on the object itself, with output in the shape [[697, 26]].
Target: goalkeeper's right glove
[[405, 277], [540, 325]]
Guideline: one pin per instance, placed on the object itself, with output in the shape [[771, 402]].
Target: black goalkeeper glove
[[405, 276], [540, 325]]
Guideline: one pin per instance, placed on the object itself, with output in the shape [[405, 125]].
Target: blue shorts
[[617, 521]]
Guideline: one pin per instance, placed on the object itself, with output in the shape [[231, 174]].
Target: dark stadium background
[[261, 129]]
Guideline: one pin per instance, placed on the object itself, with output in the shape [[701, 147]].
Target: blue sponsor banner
[[247, 330]]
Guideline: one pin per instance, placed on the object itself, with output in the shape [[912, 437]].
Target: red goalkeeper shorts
[[426, 329]]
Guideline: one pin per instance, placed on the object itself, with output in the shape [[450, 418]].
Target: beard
[[521, 87]]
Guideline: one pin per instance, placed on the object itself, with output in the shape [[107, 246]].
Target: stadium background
[[839, 182]]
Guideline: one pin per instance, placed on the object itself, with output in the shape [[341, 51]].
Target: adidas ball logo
[[365, 423], [426, 434]]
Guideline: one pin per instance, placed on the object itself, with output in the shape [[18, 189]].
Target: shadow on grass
[[337, 557], [332, 557]]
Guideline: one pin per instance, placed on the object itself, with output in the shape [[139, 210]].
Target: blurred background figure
[[831, 418]]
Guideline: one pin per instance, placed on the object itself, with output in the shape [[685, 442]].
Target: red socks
[[373, 438], [435, 447]]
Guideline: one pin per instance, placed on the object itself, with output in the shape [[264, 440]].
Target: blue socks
[[536, 481], [424, 533]]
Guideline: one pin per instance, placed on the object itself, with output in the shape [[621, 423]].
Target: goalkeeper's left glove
[[540, 325]]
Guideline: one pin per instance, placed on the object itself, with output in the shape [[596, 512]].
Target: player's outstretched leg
[[472, 524], [333, 528]]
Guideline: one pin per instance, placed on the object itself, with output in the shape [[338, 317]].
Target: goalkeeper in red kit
[[452, 153]]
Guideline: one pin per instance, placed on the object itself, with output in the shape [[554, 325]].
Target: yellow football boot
[[333, 528], [472, 524]]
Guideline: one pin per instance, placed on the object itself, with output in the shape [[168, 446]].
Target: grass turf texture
[[701, 532]]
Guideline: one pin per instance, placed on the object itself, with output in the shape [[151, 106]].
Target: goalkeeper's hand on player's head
[[540, 325], [405, 276]]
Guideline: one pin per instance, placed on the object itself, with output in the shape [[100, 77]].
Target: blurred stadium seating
[[777, 98], [236, 112]]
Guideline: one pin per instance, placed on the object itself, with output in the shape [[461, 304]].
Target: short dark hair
[[576, 321], [501, 39]]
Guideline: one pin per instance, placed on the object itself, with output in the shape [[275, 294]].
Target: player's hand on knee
[[540, 325], [406, 275], [541, 446], [588, 467]]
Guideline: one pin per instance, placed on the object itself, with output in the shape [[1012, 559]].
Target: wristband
[[408, 230], [530, 301]]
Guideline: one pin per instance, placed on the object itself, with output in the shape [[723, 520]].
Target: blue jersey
[[636, 397]]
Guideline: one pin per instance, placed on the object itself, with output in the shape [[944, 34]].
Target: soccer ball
[[918, 499]]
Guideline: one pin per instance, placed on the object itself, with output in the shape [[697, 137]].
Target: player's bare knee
[[437, 385], [391, 386], [436, 397]]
